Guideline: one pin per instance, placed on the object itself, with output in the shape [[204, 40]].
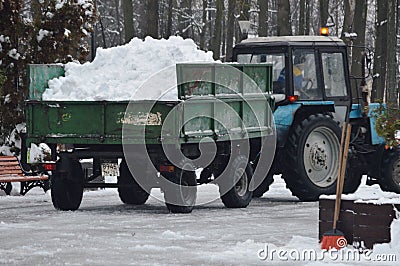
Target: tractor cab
[[306, 69], [312, 92]]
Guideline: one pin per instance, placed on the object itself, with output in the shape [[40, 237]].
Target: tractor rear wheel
[[312, 157]]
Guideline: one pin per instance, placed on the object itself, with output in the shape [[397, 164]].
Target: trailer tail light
[[167, 168], [293, 98], [324, 31], [49, 166]]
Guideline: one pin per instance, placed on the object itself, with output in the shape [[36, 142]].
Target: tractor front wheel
[[390, 178]]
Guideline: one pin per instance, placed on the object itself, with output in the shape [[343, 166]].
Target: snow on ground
[[106, 232], [116, 73], [369, 194]]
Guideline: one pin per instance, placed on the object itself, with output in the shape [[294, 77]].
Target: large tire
[[130, 192], [390, 178], [264, 186], [239, 195], [352, 180], [312, 158], [182, 198], [67, 185]]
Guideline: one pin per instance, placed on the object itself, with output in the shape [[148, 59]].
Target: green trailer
[[218, 122]]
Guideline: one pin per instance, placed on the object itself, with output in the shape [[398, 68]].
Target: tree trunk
[[380, 56], [152, 18], [302, 17], [140, 18], [360, 19], [398, 49], [348, 20], [308, 17], [129, 27], [284, 27], [230, 30], [210, 26], [204, 28], [262, 18], [223, 47], [323, 12], [169, 18], [118, 18], [216, 47], [391, 54]]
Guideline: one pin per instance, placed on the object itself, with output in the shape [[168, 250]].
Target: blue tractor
[[313, 97]]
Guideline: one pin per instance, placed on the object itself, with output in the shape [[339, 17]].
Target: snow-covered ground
[[106, 232]]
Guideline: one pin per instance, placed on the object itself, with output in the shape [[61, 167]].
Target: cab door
[[335, 80]]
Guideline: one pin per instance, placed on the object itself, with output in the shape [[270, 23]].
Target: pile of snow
[[394, 245], [116, 73], [369, 194]]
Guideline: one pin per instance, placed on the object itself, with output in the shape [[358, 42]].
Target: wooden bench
[[11, 171]]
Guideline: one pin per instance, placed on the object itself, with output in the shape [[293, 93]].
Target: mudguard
[[284, 116]]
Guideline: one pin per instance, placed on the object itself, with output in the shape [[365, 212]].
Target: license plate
[[109, 169]]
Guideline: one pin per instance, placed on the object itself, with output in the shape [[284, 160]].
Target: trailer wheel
[[312, 157], [239, 196], [264, 186], [67, 185], [130, 192], [182, 198], [390, 178]]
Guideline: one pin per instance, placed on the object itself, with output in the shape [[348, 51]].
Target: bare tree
[[169, 18], [216, 44], [185, 18], [308, 16], [140, 18], [323, 12], [349, 6], [129, 27], [284, 25], [152, 18], [380, 56], [118, 18], [391, 84], [398, 47], [262, 18], [230, 29], [360, 18], [204, 23], [302, 17]]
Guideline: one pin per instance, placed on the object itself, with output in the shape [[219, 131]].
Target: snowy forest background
[[59, 31]]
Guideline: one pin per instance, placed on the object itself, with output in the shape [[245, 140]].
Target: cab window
[[278, 64], [305, 82], [334, 78]]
